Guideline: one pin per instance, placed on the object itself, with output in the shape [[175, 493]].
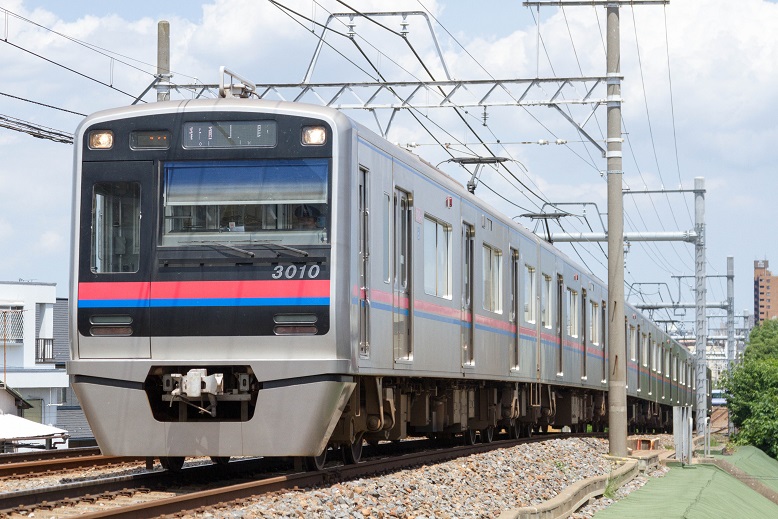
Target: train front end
[[203, 289]]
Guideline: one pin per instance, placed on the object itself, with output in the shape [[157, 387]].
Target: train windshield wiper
[[269, 243], [245, 252], [236, 249], [265, 243]]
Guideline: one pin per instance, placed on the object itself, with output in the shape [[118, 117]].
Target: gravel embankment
[[479, 486], [476, 487]]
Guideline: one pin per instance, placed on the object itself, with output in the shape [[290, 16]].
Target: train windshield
[[246, 201]]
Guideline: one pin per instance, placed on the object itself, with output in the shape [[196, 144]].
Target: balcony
[[44, 351]]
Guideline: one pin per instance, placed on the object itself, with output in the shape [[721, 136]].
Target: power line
[[41, 132], [94, 48], [41, 104], [68, 68]]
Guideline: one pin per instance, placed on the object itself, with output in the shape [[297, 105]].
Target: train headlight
[[100, 140], [314, 135]]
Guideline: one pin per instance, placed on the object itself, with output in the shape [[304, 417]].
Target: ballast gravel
[[478, 486]]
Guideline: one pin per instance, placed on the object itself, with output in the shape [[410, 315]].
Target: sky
[[699, 101]]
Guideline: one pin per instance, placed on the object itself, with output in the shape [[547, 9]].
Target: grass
[[610, 489]]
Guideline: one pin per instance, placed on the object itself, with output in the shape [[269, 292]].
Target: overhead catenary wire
[[646, 246], [473, 132], [456, 110], [289, 11], [69, 69], [480, 65], [652, 139], [94, 48], [41, 104], [659, 259], [35, 130]]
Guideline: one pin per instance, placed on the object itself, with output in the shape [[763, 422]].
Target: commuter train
[[272, 278]]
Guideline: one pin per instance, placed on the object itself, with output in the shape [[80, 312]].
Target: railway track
[[13, 469], [51, 454], [267, 475]]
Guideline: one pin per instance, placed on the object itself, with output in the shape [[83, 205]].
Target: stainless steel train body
[[257, 278]]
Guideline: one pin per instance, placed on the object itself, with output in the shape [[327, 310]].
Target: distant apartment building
[[34, 338], [764, 283]]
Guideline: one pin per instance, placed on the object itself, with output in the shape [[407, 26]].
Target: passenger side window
[[115, 227], [437, 258], [529, 294], [546, 301], [492, 279]]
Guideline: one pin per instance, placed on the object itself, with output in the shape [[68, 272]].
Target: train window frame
[[386, 232], [530, 297], [121, 238], [492, 278], [603, 325], [547, 301], [675, 368], [632, 342], [515, 293], [438, 257], [644, 349], [654, 348], [515, 308], [572, 312], [594, 322], [285, 200]]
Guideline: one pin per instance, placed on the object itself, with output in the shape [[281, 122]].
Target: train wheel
[[470, 436], [353, 453], [220, 460], [527, 430], [487, 435], [316, 462], [172, 463], [514, 430]]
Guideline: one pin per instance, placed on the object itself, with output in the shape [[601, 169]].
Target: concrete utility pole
[[163, 61], [617, 347]]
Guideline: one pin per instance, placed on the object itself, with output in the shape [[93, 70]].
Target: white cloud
[[722, 59]]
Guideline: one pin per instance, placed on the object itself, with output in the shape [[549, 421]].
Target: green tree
[[763, 341], [753, 391]]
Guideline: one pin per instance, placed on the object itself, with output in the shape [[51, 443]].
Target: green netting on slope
[[698, 492], [755, 463]]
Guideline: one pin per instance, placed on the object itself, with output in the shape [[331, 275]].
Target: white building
[[34, 338]]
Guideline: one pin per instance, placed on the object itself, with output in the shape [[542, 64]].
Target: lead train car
[[270, 278]]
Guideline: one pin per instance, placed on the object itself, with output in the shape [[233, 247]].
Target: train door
[[652, 365], [468, 322], [364, 254], [402, 307], [514, 310], [639, 358], [560, 319], [604, 340], [115, 234], [546, 301], [585, 325]]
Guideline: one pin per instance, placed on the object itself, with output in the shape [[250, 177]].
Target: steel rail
[[29, 500], [26, 468], [18, 457]]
